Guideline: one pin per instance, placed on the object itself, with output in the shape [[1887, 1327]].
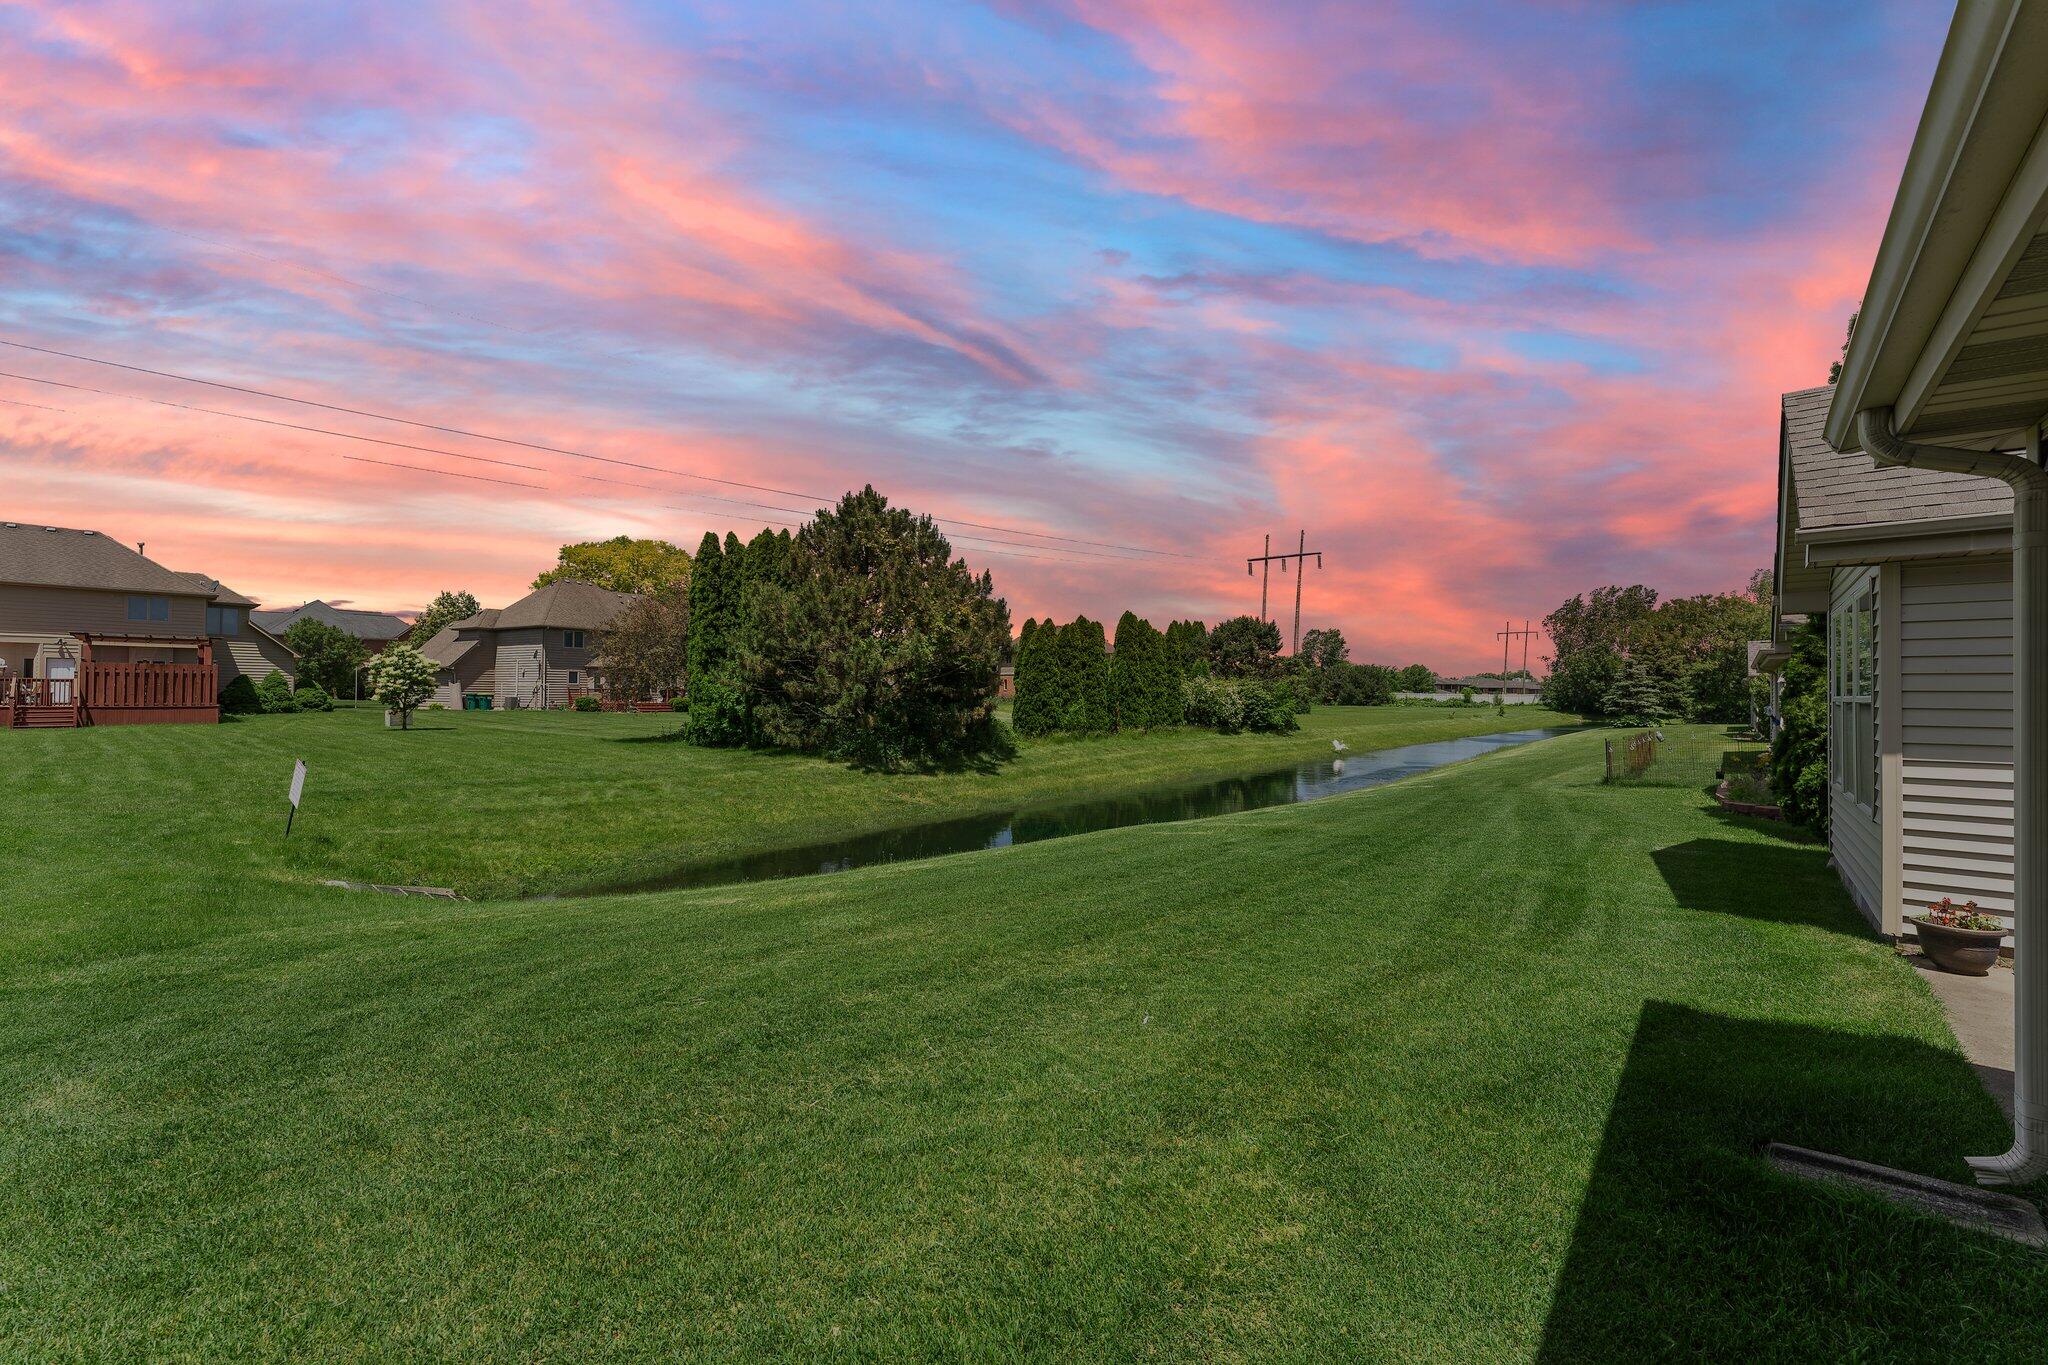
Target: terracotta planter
[[1966, 952]]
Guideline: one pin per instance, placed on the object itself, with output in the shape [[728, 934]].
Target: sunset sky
[[1494, 299]]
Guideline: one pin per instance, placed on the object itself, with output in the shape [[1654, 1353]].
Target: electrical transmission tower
[[1301, 553], [1504, 635]]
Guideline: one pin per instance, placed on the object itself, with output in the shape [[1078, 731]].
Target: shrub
[[680, 705], [587, 704], [239, 698], [275, 693], [311, 696], [717, 714], [1233, 704], [402, 679], [1799, 752]]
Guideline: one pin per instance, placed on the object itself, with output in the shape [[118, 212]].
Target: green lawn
[[1467, 1068], [514, 803]]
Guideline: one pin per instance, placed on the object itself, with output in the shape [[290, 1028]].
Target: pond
[[1309, 781]]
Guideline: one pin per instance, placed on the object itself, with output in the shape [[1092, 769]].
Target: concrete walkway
[[1979, 1009]]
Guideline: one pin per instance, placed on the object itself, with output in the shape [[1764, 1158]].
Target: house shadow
[[1688, 1246], [1779, 883]]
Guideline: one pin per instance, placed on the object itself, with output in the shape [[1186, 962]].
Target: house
[[92, 632], [535, 653], [1912, 569], [1945, 384], [375, 629], [1484, 688]]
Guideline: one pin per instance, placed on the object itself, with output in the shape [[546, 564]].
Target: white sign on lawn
[[298, 790]]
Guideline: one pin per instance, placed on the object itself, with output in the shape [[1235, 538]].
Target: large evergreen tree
[[1084, 659], [1245, 647], [709, 625], [1030, 711], [1188, 645], [879, 647]]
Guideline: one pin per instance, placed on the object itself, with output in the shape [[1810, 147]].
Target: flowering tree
[[401, 678]]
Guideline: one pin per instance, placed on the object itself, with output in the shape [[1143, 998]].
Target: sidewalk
[[1979, 1009]]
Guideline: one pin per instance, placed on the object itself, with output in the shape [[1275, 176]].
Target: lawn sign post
[[298, 790]]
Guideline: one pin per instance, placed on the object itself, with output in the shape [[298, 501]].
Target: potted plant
[[1960, 938]]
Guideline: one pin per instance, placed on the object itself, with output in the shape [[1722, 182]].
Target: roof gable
[[566, 603], [1833, 492]]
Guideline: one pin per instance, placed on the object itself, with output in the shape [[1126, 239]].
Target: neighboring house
[[535, 653], [375, 629], [1519, 690], [70, 599], [1940, 625], [1913, 569]]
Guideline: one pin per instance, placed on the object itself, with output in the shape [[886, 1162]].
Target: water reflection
[[1310, 781]]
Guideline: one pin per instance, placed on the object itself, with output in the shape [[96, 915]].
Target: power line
[[671, 507], [556, 450], [480, 459]]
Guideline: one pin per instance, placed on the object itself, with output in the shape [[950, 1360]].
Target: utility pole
[[1302, 554], [1266, 576], [1507, 633]]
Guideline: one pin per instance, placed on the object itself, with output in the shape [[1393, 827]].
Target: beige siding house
[[1913, 571], [533, 654], [58, 583]]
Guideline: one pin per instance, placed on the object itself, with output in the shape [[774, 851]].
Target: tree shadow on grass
[[1689, 1247], [1778, 883]]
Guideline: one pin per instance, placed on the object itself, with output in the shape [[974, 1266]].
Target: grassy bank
[[498, 803], [1467, 1068]]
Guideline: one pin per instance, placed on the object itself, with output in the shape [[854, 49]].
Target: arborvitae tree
[[1129, 707], [1188, 643], [1084, 655], [1032, 712], [708, 634], [1166, 701]]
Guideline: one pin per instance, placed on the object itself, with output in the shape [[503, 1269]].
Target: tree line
[[1622, 655]]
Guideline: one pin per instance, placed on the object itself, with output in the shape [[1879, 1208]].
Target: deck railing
[[148, 686]]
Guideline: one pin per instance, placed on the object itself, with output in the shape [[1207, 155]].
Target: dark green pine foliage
[[1635, 698], [1167, 703], [880, 647], [1084, 658]]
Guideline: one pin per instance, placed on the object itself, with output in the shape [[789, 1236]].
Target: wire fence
[[1637, 754]]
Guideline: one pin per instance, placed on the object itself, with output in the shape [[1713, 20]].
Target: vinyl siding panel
[[1956, 669], [252, 656], [30, 612]]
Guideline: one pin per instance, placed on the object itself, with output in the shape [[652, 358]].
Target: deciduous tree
[[446, 609], [622, 564]]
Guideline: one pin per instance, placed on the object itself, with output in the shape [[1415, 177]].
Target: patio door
[[60, 674]]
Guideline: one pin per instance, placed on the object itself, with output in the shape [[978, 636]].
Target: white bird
[[1340, 746]]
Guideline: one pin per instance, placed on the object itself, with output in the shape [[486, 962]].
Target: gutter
[[2027, 1159]]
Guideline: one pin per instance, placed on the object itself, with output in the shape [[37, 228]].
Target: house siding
[[1956, 682], [28, 612], [252, 656], [518, 677], [1855, 834]]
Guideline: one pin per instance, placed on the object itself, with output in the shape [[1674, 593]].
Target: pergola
[[1948, 369]]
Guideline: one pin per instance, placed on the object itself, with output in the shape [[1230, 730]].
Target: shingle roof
[[213, 588], [445, 649], [567, 603], [60, 557], [1838, 492], [364, 625]]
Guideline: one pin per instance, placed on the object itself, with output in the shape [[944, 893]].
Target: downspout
[[2027, 1161]]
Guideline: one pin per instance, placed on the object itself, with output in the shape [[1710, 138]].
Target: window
[[149, 608], [572, 639], [1852, 699], [572, 677], [223, 620]]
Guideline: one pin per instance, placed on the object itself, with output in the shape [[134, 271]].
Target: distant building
[[375, 629], [1519, 690], [535, 653]]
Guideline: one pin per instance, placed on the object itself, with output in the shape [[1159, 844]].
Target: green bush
[[680, 705], [1230, 705], [311, 696], [587, 704], [275, 693], [239, 698], [717, 715], [1799, 753]]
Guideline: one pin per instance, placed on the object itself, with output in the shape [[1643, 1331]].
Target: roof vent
[[50, 528], [14, 526]]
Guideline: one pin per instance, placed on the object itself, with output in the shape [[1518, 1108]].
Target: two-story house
[[72, 597], [535, 653]]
